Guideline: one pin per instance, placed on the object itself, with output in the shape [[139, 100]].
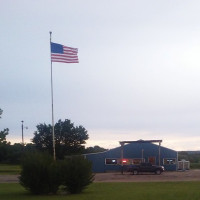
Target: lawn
[[9, 169], [114, 191]]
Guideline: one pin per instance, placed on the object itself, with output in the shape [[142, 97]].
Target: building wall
[[98, 161], [133, 151]]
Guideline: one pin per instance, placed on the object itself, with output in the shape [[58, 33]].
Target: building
[[133, 152]]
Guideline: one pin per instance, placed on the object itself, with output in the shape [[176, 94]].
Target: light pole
[[23, 132]]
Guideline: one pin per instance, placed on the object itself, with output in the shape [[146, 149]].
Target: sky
[[137, 76]]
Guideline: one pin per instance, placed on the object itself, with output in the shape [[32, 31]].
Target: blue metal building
[[134, 152]]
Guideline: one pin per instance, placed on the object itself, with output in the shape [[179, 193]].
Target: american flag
[[64, 54]]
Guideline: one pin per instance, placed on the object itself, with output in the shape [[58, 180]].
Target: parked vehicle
[[145, 167]]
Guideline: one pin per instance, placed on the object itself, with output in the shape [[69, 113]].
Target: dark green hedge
[[42, 175]]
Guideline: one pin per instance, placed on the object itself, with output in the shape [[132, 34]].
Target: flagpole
[[53, 133]]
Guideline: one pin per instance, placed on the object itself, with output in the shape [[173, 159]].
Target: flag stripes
[[64, 54]]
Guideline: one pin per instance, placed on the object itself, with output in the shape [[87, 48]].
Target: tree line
[[192, 156], [69, 140]]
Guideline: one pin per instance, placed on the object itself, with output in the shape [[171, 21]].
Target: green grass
[[9, 169], [114, 191]]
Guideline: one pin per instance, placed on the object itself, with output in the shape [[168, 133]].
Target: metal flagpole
[[53, 133], [22, 132]]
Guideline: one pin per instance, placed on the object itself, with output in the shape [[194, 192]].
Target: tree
[[4, 146], [3, 136], [3, 133], [1, 111], [43, 137], [69, 139], [95, 149]]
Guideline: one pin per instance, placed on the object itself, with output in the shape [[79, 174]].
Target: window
[[125, 161], [169, 161], [111, 161], [137, 161], [152, 160]]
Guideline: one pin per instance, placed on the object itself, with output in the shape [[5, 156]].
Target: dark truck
[[145, 167]]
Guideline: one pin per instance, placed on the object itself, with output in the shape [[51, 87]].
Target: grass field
[[9, 169], [114, 191]]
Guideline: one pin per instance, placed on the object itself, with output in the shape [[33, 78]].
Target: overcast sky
[[138, 76]]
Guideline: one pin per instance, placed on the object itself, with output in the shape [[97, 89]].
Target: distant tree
[[15, 153], [193, 157], [30, 147], [94, 149], [69, 139], [1, 111], [4, 145], [3, 135]]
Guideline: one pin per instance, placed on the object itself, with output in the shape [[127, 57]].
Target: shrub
[[40, 174], [77, 174]]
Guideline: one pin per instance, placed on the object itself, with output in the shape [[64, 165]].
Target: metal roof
[[140, 141]]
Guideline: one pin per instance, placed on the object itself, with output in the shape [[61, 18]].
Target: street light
[[23, 132]]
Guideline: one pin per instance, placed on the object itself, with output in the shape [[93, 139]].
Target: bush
[[77, 174], [40, 174]]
